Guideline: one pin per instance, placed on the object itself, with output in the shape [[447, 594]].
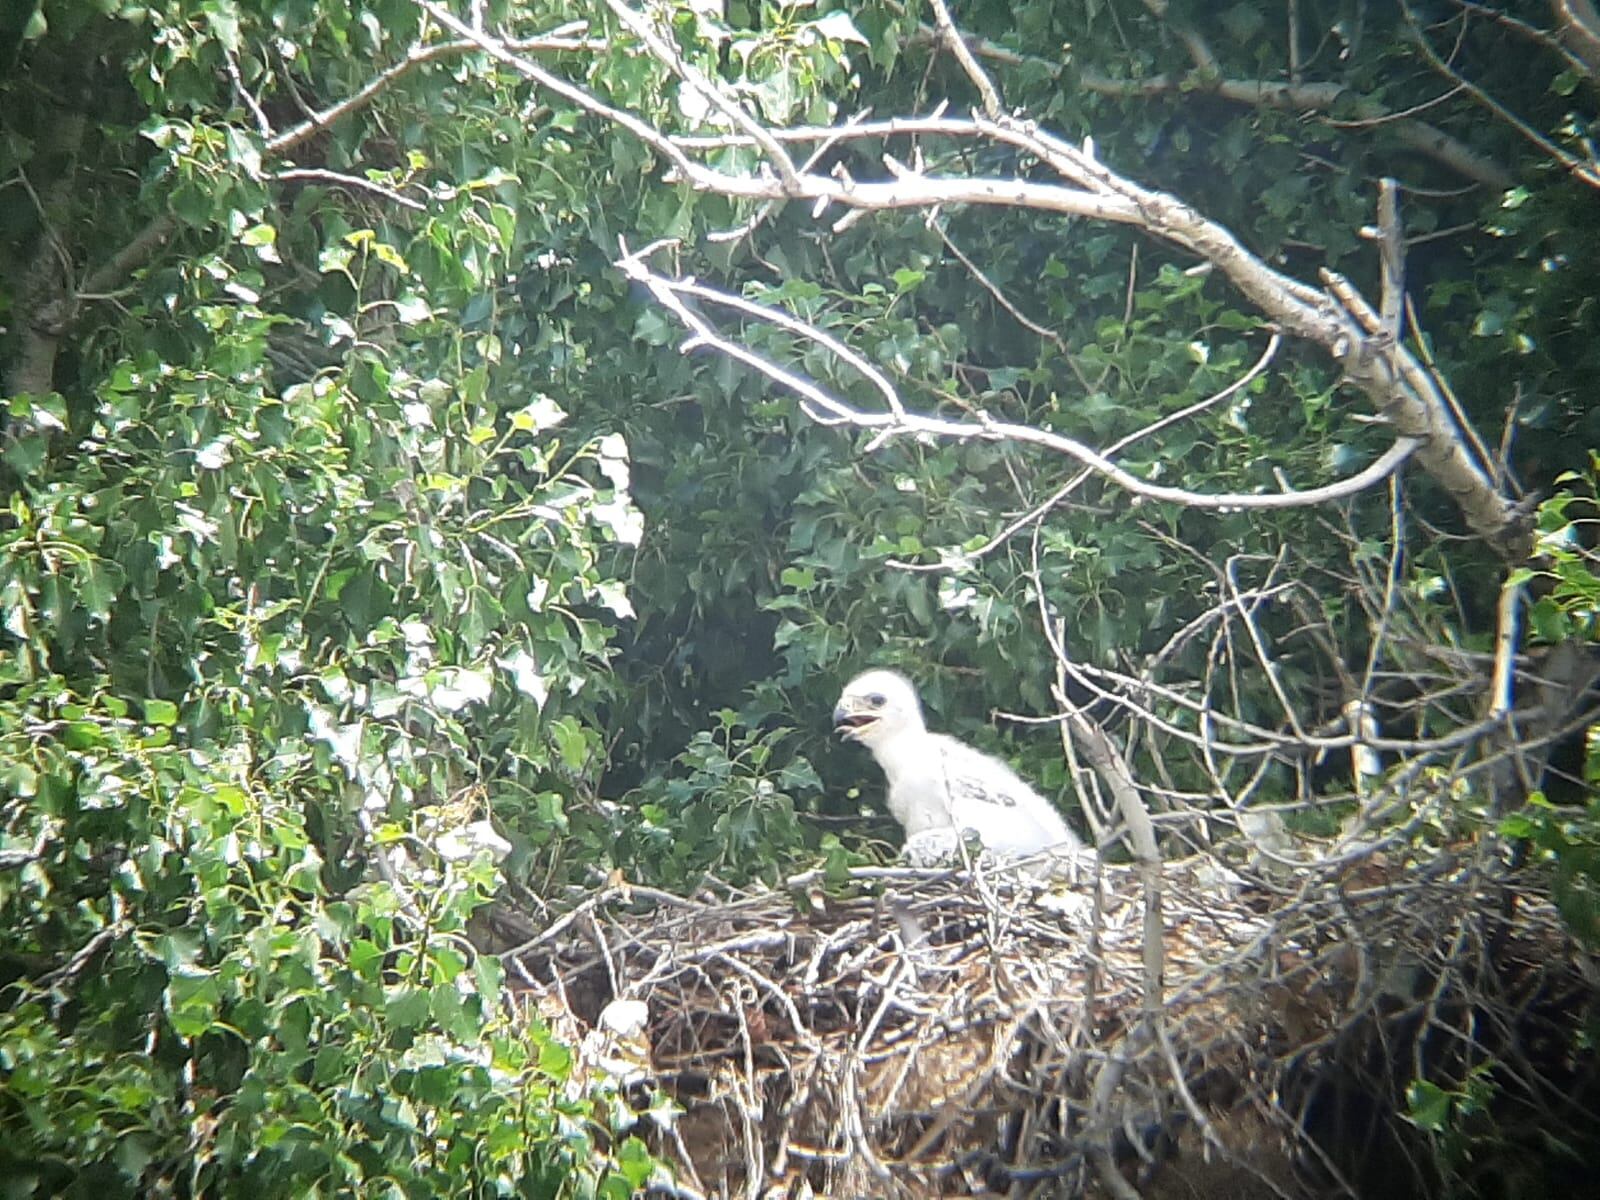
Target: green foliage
[[1565, 606], [726, 807], [1456, 1118], [1567, 840], [219, 1018], [1566, 583], [297, 573]]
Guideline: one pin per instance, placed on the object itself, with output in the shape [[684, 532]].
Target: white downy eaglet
[[939, 788]]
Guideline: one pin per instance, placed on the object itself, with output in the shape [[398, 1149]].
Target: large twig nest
[[939, 1033]]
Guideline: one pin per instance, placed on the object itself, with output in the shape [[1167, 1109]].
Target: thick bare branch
[[1399, 387], [1580, 30]]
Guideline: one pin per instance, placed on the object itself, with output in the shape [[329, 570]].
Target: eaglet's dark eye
[[876, 700]]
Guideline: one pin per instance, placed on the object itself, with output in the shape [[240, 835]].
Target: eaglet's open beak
[[850, 723]]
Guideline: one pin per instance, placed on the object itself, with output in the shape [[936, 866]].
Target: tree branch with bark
[[1334, 317]]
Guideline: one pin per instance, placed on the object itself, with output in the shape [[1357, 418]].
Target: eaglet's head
[[875, 706]]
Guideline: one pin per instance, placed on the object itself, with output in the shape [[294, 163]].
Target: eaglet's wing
[[987, 796]]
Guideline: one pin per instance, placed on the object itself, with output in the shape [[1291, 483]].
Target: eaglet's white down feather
[[941, 788]]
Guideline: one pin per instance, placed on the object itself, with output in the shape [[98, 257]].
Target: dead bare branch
[[896, 420]]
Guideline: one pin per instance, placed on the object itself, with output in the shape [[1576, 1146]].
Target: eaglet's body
[[938, 787]]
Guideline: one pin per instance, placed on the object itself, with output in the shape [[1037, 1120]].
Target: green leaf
[[160, 712], [555, 1060], [538, 415], [1427, 1106], [635, 1162], [407, 1007], [801, 579], [571, 743], [98, 584], [1516, 825], [193, 1000]]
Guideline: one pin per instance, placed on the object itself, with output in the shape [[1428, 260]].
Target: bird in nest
[[940, 789]]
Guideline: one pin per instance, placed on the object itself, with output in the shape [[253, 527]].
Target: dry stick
[[876, 874], [1199, 51], [62, 977], [352, 182], [773, 989], [1309, 98], [1266, 740], [1102, 755], [557, 927], [1494, 466], [957, 45], [1080, 777], [263, 125], [1104, 758], [1293, 96], [1005, 302], [1319, 98], [386, 869], [605, 953], [1122, 443], [1386, 612], [1533, 33], [417, 56], [1391, 246], [755, 1156], [50, 243], [1294, 42], [1093, 977], [1107, 1080], [1247, 617], [1501, 691], [667, 56]]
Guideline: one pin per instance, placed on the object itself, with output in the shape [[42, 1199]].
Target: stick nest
[[903, 1032]]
